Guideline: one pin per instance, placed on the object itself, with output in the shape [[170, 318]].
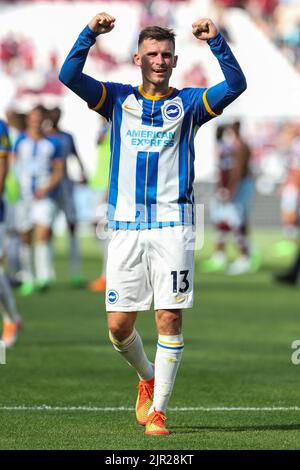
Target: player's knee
[[118, 331], [169, 322], [121, 324]]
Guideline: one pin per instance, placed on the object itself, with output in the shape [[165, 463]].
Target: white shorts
[[33, 212], [143, 264]]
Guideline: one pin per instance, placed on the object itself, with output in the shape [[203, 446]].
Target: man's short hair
[[40, 108], [157, 33]]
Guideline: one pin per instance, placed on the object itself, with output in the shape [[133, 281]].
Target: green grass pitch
[[237, 353]]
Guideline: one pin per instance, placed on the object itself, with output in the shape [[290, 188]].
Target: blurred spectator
[[230, 3], [17, 58], [231, 204], [52, 84], [16, 125], [159, 12], [64, 196], [39, 169], [8, 49], [291, 201], [292, 275], [290, 192], [106, 60], [262, 9], [16, 53], [195, 77]]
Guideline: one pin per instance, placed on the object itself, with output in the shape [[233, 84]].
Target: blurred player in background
[[11, 318], [99, 184], [290, 203], [291, 276], [16, 123], [289, 143], [230, 207], [65, 191], [151, 252], [39, 169]]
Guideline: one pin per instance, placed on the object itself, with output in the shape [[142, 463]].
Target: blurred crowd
[[18, 61], [278, 19]]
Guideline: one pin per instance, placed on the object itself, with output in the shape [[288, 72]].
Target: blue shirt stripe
[[114, 162], [152, 174]]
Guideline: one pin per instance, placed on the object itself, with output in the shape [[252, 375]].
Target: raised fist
[[102, 23], [204, 29]]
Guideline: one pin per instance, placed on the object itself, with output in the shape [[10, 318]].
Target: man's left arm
[[221, 95]]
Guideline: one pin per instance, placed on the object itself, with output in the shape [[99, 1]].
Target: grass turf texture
[[238, 353]]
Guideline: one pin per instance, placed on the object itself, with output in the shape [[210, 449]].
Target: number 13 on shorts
[[182, 285]]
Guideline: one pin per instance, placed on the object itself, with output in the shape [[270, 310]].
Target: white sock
[[43, 261], [75, 264], [6, 298], [167, 360], [26, 263], [133, 352]]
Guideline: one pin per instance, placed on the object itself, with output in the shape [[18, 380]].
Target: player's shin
[[132, 350], [167, 360]]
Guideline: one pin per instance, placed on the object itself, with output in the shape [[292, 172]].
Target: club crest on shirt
[[172, 111], [112, 296]]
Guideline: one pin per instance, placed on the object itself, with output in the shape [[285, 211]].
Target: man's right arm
[[71, 74]]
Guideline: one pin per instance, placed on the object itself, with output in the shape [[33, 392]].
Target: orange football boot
[[11, 332], [144, 400], [98, 285], [155, 424]]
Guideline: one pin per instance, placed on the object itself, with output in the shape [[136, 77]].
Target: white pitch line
[[124, 408]]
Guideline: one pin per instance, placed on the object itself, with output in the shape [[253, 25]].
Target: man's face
[[35, 119], [157, 60]]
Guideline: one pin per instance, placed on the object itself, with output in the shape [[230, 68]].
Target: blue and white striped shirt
[[152, 137], [34, 163]]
